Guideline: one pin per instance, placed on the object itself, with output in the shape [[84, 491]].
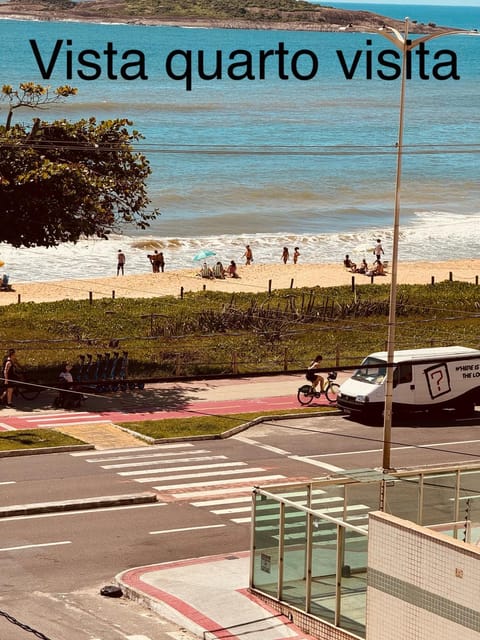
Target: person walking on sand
[[378, 250], [248, 255], [296, 255], [121, 262], [285, 255]]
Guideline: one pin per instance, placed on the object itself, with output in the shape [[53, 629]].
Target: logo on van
[[438, 380]]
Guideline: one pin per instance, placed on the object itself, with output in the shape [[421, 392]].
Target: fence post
[[181, 293], [291, 283], [90, 296], [476, 279], [234, 362], [450, 276], [19, 298], [353, 284], [269, 286], [113, 294], [371, 279], [204, 287], [433, 280]]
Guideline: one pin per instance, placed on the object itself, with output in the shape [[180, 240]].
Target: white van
[[424, 380]]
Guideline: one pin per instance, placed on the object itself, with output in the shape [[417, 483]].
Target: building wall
[[421, 584]]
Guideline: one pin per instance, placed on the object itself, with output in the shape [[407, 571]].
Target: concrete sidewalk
[[208, 597]]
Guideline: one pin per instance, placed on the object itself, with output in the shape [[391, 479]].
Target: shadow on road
[[149, 400]]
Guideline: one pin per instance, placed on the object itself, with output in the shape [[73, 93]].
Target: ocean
[[301, 152]]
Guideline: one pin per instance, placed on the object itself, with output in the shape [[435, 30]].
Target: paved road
[[54, 565]]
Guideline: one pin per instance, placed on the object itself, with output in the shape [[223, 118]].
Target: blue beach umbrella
[[204, 253]]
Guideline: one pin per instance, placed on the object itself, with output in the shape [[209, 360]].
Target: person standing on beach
[[160, 262], [296, 254], [120, 262], [248, 255], [378, 250], [153, 257], [285, 255]]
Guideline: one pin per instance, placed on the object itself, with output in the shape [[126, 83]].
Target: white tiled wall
[[422, 585]]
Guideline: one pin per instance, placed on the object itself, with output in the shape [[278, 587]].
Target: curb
[[41, 450], [239, 428], [77, 505]]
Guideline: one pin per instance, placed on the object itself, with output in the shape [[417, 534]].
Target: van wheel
[[467, 410]]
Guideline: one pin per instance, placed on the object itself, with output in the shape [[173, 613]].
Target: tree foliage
[[61, 181]]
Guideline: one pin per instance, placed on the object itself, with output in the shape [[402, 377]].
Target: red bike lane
[[42, 419]]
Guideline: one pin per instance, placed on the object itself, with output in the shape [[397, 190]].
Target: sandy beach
[[253, 278]]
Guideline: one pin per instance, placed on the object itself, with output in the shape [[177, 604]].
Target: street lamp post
[[401, 42]]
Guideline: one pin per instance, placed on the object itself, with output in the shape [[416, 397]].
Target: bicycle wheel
[[30, 393], [304, 394], [332, 392]]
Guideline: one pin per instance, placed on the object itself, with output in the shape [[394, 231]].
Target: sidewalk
[[209, 598]]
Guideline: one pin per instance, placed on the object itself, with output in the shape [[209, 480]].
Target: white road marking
[[267, 447], [147, 462], [63, 416], [207, 526], [402, 448], [35, 546], [7, 427], [317, 463], [9, 482], [254, 481], [182, 476], [129, 450], [247, 485], [214, 503], [223, 512], [193, 466]]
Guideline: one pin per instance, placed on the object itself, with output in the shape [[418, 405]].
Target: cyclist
[[315, 378]]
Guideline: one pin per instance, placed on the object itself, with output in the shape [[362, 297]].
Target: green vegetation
[[265, 12], [35, 439], [61, 181], [220, 333], [204, 426]]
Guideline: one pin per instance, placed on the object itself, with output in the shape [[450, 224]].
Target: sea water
[[275, 161]]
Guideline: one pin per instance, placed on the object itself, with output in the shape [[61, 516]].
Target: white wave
[[430, 235]]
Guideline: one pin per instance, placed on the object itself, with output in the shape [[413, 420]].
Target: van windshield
[[372, 371]]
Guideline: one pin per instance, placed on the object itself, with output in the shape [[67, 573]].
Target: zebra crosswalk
[[186, 472], [191, 473]]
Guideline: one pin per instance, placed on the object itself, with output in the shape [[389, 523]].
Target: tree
[[61, 181]]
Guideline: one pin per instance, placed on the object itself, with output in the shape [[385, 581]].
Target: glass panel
[[469, 505], [324, 564], [360, 499], [438, 498], [353, 585], [328, 499], [295, 540], [266, 541], [402, 496]]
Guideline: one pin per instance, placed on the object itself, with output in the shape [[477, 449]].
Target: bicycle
[[306, 393]]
